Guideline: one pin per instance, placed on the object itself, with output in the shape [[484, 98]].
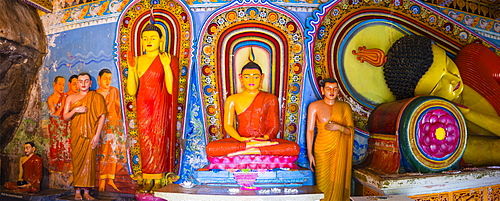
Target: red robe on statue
[[156, 117], [32, 173], [259, 119], [480, 69]]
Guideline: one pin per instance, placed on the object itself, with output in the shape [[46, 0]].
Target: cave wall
[[22, 49]]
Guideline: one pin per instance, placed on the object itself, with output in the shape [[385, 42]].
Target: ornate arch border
[[254, 16], [176, 19], [326, 30]]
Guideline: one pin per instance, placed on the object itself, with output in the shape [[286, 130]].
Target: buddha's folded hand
[[260, 143]]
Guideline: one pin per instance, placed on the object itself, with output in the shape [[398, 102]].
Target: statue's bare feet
[[112, 184], [102, 185], [87, 196], [78, 195]]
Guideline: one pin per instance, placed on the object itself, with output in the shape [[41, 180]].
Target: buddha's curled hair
[[408, 60], [151, 27]]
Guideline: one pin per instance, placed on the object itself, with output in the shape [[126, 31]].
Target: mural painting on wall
[[154, 42], [70, 11], [111, 153], [356, 30], [62, 4], [59, 73], [59, 158]]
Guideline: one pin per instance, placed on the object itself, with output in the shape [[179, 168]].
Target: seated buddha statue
[[257, 118], [416, 66]]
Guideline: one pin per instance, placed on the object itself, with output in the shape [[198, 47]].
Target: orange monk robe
[[32, 173], [333, 155], [113, 144], [83, 129], [156, 117], [259, 119]]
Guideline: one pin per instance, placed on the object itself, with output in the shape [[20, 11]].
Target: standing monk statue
[[30, 171], [87, 112], [256, 113], [151, 78], [331, 158]]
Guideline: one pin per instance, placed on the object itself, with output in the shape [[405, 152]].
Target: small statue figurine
[[30, 171]]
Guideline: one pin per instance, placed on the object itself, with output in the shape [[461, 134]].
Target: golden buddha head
[[442, 79], [152, 38], [416, 66], [251, 76]]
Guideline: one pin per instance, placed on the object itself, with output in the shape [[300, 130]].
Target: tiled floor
[[61, 195]]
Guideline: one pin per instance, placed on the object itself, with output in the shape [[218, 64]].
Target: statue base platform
[[45, 194], [480, 183], [103, 196], [380, 198], [174, 192], [265, 178]]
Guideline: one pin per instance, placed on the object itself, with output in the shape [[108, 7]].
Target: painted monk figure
[[87, 112], [57, 127], [112, 146], [151, 78], [333, 144], [30, 171], [72, 85], [64, 174], [257, 118], [54, 101]]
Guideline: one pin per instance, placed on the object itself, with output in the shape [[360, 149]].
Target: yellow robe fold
[[333, 155], [83, 129]]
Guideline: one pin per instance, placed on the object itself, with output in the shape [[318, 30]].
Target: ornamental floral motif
[[438, 133]]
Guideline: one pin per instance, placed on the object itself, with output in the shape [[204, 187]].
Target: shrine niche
[[173, 20], [242, 31], [271, 37]]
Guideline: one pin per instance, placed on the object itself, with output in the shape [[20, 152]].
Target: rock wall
[[22, 49]]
